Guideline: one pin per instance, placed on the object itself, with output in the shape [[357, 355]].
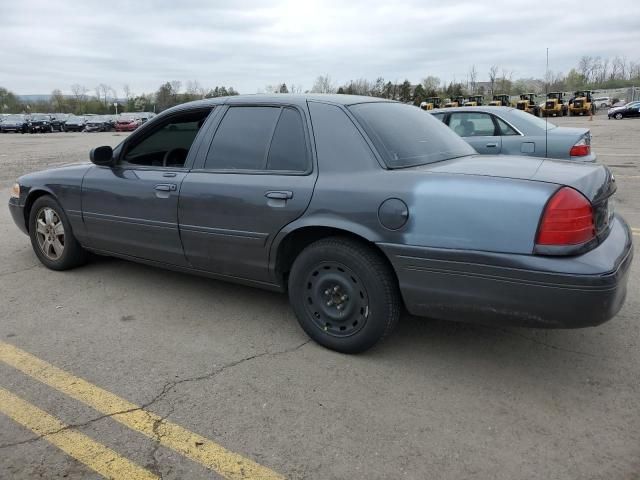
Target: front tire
[[345, 294], [51, 236], [618, 116]]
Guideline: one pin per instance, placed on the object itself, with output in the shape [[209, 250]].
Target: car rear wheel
[[51, 236], [345, 295]]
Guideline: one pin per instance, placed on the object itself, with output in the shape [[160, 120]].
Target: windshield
[[532, 119], [14, 118], [75, 119], [39, 118], [406, 136]]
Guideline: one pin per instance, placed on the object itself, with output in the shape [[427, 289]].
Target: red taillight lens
[[580, 149], [567, 219]]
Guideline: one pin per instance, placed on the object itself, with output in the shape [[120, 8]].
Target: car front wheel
[[345, 294], [51, 236], [618, 116]]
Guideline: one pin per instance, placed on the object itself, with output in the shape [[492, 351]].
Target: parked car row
[[63, 122]]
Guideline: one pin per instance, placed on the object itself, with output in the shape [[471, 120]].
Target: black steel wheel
[[345, 294]]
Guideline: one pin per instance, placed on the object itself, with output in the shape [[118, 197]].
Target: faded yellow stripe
[[193, 446], [93, 454]]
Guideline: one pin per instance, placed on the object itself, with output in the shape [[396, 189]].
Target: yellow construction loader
[[554, 105], [501, 100], [474, 101], [430, 103], [527, 103], [455, 102], [582, 103]]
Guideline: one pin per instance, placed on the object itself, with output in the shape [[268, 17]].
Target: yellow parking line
[[93, 454], [635, 231], [193, 446]]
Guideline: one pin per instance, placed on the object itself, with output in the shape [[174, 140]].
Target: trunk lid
[[594, 181]]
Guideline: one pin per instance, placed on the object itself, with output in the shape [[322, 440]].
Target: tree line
[[101, 101], [592, 73]]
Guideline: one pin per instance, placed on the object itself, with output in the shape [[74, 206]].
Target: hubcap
[[50, 233], [336, 299]]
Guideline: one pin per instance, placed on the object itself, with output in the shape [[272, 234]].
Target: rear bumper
[[516, 290]]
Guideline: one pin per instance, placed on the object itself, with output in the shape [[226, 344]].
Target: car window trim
[[202, 158], [195, 145]]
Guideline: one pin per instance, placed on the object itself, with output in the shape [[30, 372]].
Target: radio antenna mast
[[546, 117]]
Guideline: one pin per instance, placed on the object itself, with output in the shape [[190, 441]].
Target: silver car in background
[[509, 131]]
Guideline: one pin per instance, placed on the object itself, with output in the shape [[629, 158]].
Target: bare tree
[[102, 92], [295, 88], [473, 78], [493, 74], [80, 96], [127, 91], [431, 85], [57, 100], [194, 90], [323, 84]]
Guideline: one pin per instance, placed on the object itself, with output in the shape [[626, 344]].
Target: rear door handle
[[492, 145], [166, 187], [279, 195]]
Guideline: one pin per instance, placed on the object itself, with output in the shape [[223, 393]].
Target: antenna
[[546, 117]]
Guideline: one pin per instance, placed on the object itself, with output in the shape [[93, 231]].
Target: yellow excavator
[[501, 100], [474, 101], [527, 103], [582, 103], [455, 102], [430, 103], [554, 105]]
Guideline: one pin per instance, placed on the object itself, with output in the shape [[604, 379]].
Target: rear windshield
[[406, 136]]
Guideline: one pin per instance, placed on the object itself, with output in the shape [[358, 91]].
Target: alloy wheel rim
[[50, 233], [336, 299]]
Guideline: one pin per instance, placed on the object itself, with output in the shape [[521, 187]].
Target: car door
[[255, 178], [514, 142], [633, 110], [478, 129], [131, 208]]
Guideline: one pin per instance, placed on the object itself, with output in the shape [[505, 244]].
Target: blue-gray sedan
[[509, 131], [355, 206]]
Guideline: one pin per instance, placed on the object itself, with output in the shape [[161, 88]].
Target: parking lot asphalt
[[120, 368]]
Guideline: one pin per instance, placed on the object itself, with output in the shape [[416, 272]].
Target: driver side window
[[168, 145]]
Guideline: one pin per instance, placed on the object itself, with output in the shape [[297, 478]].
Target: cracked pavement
[[436, 400]]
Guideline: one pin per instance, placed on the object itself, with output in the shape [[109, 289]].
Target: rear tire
[[344, 294], [51, 236]]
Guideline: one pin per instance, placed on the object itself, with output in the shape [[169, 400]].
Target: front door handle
[[492, 145], [279, 195], [166, 187]]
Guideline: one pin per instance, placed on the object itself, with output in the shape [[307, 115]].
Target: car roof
[[481, 108], [294, 99]]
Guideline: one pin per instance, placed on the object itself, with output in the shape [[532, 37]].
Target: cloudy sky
[[250, 44]]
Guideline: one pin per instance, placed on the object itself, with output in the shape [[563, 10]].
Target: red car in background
[[127, 124]]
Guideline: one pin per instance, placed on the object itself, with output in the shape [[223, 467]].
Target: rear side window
[[259, 138], [242, 139], [439, 116], [505, 128], [288, 150], [404, 136]]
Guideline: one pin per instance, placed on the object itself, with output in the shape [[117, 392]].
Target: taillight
[[580, 149], [567, 219]]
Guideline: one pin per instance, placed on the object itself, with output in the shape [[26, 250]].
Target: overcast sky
[[250, 44]]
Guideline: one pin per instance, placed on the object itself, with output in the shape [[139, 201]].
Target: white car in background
[[602, 102]]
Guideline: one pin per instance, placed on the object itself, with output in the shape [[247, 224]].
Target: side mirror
[[102, 156]]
